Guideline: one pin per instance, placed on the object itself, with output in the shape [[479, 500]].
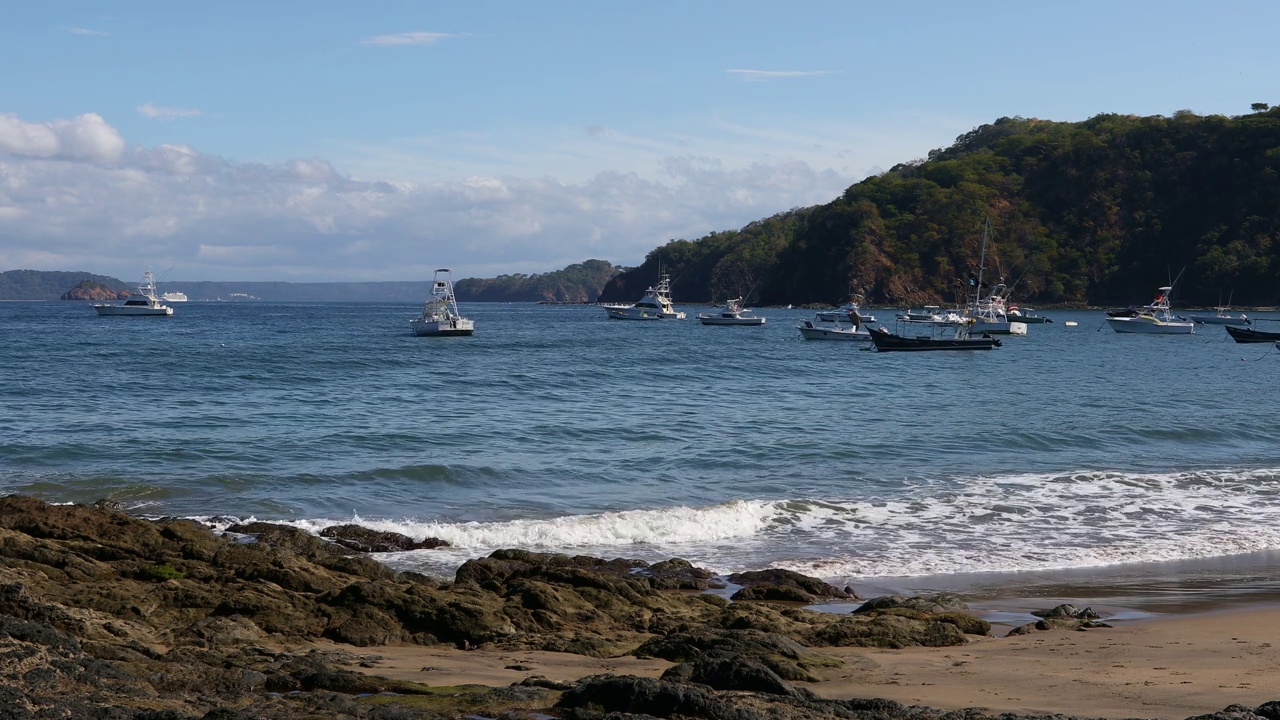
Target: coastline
[[99, 608]]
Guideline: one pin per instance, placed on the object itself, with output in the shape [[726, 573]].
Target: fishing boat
[[1243, 334], [732, 314], [1026, 315], [1153, 319], [440, 316], [835, 329], [886, 341], [655, 305], [843, 311], [1222, 316], [926, 314], [989, 313], [144, 303]]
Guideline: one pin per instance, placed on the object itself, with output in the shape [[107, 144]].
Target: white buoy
[[1070, 323]]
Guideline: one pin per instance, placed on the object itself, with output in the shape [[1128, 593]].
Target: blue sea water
[[556, 429]]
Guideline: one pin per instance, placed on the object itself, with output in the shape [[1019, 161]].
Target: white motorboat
[[819, 329], [926, 314], [990, 314], [144, 303], [174, 297], [843, 311], [1156, 318], [440, 316], [733, 314], [1223, 316], [655, 305]]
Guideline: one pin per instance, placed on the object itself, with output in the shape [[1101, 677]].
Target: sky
[[345, 141]]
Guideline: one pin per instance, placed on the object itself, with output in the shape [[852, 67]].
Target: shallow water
[[554, 428]]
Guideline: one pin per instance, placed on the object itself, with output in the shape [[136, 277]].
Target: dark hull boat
[[1249, 335], [886, 341]]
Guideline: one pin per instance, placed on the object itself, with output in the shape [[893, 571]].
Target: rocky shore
[[104, 615]]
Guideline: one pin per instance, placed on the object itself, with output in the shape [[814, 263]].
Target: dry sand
[[1164, 668]]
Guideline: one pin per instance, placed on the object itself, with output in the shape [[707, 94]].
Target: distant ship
[[174, 297]]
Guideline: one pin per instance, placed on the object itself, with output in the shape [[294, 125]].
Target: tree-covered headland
[[1096, 212]]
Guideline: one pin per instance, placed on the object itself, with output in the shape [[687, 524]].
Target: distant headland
[[580, 282]]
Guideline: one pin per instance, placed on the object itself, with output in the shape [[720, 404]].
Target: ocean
[[737, 448]]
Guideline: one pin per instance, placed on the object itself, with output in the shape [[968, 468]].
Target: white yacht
[[733, 314], [1155, 318], [655, 305], [819, 329], [849, 307], [144, 303], [440, 312], [990, 314], [174, 297]]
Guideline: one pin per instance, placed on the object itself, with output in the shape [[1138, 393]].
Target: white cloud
[[762, 75], [62, 207], [407, 38], [85, 137], [162, 112], [87, 31]]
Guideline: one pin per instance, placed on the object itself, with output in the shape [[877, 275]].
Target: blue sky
[[375, 141]]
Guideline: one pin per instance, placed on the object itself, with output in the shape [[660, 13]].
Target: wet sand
[[1168, 668], [1189, 638]]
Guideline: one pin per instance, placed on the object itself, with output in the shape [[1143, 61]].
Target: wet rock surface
[[103, 615]]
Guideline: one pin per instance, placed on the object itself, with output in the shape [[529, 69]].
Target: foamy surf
[[1005, 523]]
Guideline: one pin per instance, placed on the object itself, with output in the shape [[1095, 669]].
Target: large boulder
[[784, 585], [365, 540]]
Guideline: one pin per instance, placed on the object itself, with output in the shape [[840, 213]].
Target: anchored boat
[[655, 305], [144, 303], [1153, 319], [440, 316], [733, 314]]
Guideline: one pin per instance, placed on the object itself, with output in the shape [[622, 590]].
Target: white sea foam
[[983, 524], [667, 526]]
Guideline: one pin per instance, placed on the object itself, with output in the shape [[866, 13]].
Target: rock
[[787, 658], [1067, 611], [783, 585], [885, 631], [731, 672], [542, 682], [939, 603], [362, 539], [629, 694], [677, 574]]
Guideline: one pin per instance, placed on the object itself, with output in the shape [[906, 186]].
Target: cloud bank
[[75, 196]]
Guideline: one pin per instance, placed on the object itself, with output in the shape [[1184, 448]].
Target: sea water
[[556, 429]]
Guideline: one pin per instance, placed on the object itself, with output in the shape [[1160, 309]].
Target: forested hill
[[1099, 212], [581, 282], [49, 285]]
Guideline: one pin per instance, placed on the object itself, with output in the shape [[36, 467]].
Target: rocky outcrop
[[91, 291], [362, 539], [785, 586]]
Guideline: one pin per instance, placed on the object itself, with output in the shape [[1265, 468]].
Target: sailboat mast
[[982, 265]]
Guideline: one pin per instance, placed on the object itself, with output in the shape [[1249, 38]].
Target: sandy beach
[[1173, 667]]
